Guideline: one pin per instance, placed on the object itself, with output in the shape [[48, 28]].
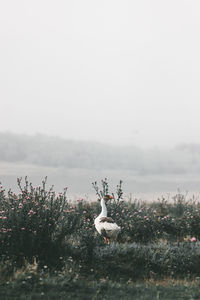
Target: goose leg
[[106, 240]]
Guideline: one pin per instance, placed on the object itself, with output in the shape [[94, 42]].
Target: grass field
[[51, 250], [99, 289]]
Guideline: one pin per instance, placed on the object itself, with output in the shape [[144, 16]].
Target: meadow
[[49, 247]]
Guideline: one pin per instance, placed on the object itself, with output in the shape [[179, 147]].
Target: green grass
[[89, 288]]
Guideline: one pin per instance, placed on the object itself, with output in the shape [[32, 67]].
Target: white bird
[[106, 225]]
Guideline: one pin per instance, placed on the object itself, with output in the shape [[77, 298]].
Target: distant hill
[[42, 150]]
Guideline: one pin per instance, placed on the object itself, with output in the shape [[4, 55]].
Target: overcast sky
[[122, 72]]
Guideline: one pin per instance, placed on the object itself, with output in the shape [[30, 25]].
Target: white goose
[[105, 225]]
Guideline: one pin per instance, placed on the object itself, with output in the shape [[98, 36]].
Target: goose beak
[[108, 197]]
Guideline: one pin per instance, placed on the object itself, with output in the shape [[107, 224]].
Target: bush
[[34, 222]]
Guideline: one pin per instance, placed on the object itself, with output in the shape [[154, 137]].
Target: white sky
[[123, 72]]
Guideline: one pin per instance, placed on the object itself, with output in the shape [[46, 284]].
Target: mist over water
[[146, 173]]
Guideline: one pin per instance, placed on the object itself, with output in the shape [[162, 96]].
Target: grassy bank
[[62, 288]]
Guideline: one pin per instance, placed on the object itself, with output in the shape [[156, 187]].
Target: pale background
[[117, 72]]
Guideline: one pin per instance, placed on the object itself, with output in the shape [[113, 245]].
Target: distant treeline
[[57, 152]]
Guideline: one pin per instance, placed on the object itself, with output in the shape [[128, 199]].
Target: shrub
[[34, 222]]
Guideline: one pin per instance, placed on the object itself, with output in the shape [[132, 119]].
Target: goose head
[[106, 198]]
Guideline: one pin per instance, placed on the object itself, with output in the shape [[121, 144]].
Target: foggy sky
[[120, 72]]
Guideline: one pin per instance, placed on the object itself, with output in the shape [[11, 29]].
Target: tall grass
[[42, 227]]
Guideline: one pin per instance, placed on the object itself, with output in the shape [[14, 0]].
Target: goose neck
[[103, 208]]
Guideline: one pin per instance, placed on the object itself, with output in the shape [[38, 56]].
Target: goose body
[[106, 225]]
